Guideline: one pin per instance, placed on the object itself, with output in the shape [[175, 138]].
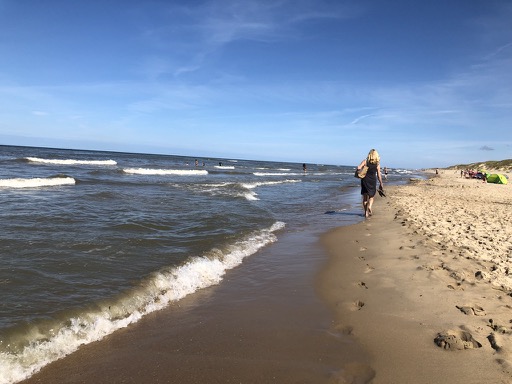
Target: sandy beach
[[424, 283]]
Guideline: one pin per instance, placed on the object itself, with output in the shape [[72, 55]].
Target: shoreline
[[410, 274], [364, 307], [265, 324]]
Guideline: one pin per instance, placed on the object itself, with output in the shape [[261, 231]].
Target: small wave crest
[[36, 182], [404, 171], [152, 171], [70, 161], [225, 189], [264, 183], [224, 167], [276, 174], [155, 293], [244, 190]]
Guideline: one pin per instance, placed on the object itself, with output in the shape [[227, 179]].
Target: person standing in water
[[369, 182]]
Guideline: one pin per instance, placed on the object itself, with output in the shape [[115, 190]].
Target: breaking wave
[[153, 294], [71, 161], [36, 182], [153, 171]]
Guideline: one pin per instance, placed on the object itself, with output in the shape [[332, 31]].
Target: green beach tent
[[496, 178]]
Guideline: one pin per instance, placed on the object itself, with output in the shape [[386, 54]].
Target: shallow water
[[92, 241]]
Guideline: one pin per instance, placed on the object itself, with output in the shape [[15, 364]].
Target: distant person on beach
[[304, 167], [369, 182], [385, 173]]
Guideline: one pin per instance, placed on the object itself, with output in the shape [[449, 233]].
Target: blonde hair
[[373, 157]]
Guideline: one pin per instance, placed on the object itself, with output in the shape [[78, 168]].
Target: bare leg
[[370, 203], [365, 204]]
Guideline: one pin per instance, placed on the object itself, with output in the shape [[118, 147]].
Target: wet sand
[[263, 324], [424, 283]]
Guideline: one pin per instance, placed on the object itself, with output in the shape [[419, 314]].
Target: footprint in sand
[[479, 275], [471, 310], [368, 268], [362, 249], [499, 328], [358, 305], [456, 340], [494, 342], [362, 284]]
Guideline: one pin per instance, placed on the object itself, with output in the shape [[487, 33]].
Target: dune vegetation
[[497, 165]]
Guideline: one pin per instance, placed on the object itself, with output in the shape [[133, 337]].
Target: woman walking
[[369, 182]]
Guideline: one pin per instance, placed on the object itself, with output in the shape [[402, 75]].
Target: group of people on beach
[[472, 174], [369, 181]]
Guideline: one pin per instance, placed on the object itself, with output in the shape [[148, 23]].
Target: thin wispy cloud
[[358, 119], [307, 71], [262, 20], [502, 50], [193, 34]]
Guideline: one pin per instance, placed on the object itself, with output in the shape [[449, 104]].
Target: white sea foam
[[229, 189], [224, 166], [162, 288], [179, 172], [403, 171], [233, 189], [264, 183], [277, 169], [276, 174], [36, 182], [251, 196], [71, 161]]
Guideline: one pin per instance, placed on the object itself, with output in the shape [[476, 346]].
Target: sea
[[92, 241]]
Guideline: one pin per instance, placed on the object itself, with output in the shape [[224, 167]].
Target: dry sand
[[424, 283]]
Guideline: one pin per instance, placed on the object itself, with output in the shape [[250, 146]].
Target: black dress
[[369, 182]]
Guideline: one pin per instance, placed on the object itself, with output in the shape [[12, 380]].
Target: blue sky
[[426, 83]]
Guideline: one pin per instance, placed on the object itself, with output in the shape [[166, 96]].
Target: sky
[[426, 83]]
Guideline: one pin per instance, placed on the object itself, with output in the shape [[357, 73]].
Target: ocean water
[[90, 242]]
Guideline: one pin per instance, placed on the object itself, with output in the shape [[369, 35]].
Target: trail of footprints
[[359, 304], [453, 339]]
